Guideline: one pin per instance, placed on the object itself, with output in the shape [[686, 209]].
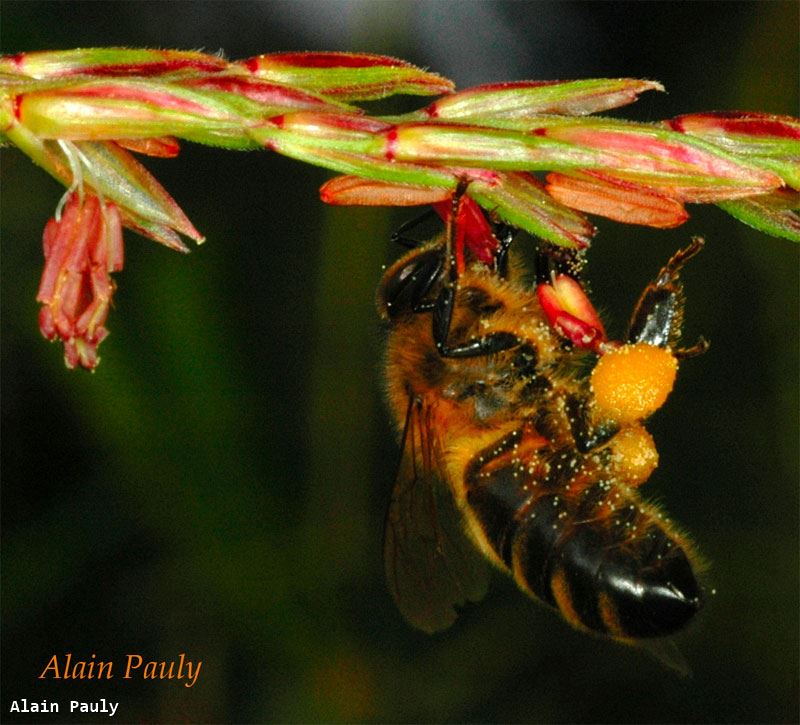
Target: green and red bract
[[512, 104], [348, 76], [684, 167], [110, 62], [132, 108], [624, 201], [768, 140], [271, 95], [761, 134], [360, 191]]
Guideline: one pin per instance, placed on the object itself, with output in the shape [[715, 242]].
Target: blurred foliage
[[218, 486]]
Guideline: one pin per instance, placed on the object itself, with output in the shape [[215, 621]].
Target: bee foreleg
[[486, 345], [504, 233]]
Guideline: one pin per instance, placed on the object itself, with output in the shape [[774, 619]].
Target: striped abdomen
[[581, 542]]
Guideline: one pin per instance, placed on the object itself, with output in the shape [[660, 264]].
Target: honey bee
[[511, 456]]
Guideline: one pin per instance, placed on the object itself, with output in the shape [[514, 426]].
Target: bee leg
[[586, 435], [442, 317], [496, 342], [504, 233], [658, 316], [700, 347], [445, 302]]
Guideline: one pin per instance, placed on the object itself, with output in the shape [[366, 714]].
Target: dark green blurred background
[[217, 487]]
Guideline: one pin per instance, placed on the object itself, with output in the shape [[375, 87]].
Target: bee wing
[[667, 653], [431, 565]]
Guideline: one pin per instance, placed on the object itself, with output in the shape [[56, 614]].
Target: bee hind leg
[[658, 316], [699, 348], [586, 435]]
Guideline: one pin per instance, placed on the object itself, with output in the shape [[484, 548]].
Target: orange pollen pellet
[[632, 381], [633, 455]]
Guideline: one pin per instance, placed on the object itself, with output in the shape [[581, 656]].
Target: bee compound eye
[[406, 285]]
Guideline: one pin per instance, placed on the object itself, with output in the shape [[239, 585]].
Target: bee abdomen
[[616, 570], [624, 574], [648, 588], [495, 504]]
